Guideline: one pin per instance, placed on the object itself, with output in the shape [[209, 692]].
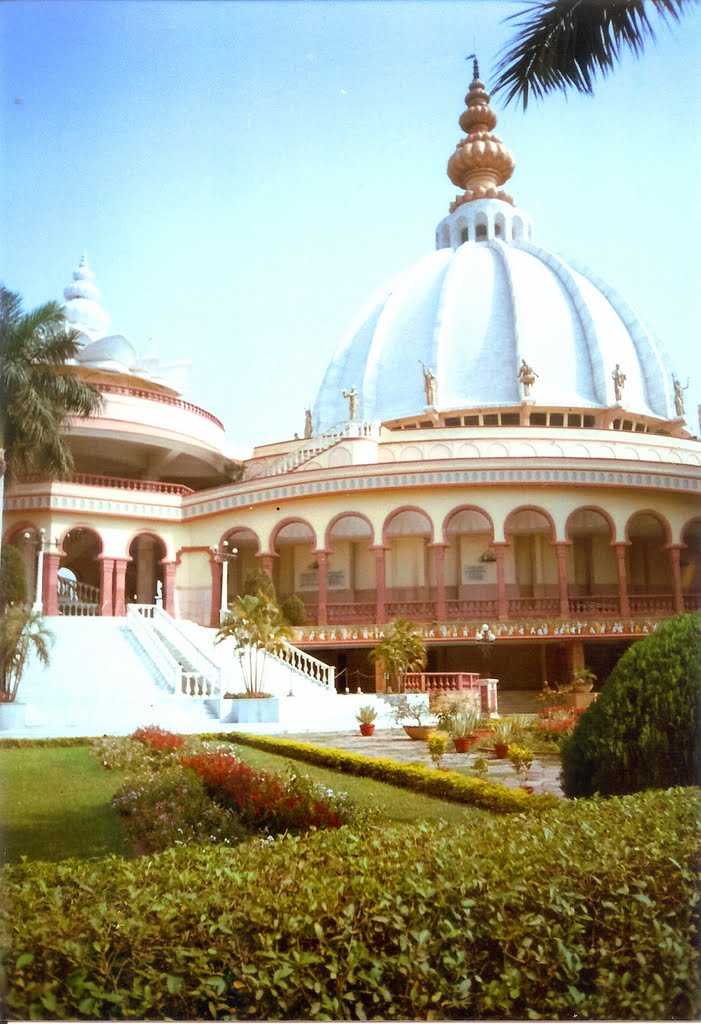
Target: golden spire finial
[[481, 161]]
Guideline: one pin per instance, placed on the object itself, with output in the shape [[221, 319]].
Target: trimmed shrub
[[588, 912], [643, 731], [13, 578], [293, 611], [447, 785]]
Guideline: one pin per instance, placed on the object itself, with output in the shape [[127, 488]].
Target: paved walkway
[[544, 775]]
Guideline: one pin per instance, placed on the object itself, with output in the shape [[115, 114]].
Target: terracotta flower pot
[[419, 732], [367, 728], [501, 749], [464, 743]]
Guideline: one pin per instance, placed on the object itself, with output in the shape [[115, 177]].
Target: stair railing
[[169, 668], [307, 665], [145, 621], [187, 646], [315, 446]]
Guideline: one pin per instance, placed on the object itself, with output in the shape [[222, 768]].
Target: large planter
[[463, 744], [419, 732], [250, 710], [501, 749], [12, 716], [367, 728], [579, 699]]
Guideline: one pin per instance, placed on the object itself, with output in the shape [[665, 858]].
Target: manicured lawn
[[393, 803], [55, 803]]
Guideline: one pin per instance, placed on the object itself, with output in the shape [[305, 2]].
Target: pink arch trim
[[145, 533], [667, 529], [532, 508], [685, 527], [79, 526], [239, 529], [287, 522], [17, 528], [465, 508], [344, 515], [406, 508], [593, 508]]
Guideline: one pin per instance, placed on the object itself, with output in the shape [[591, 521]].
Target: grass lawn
[[55, 803], [393, 802]]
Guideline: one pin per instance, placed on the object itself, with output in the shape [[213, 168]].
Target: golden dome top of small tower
[[481, 162]]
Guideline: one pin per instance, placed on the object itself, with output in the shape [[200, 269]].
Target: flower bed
[[155, 738]]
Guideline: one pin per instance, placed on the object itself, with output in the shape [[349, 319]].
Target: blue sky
[[244, 175]]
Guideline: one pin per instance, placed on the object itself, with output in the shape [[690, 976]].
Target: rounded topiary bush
[[643, 731], [293, 611]]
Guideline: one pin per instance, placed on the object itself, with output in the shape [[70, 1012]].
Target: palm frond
[[563, 44]]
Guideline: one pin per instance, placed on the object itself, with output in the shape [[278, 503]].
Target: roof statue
[[619, 378], [527, 377], [679, 396], [352, 396], [429, 385], [307, 423]]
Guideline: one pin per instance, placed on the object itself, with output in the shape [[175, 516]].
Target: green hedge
[[587, 911], [644, 731], [447, 785], [53, 741]]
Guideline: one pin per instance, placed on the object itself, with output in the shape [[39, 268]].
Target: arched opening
[[80, 594], [690, 562], [591, 563], [351, 570], [27, 540], [517, 229], [531, 572], [648, 564], [500, 226], [470, 565], [239, 548], [407, 534], [464, 235], [296, 569], [144, 576]]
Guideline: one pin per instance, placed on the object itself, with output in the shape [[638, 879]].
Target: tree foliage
[[643, 731], [21, 632], [402, 649], [257, 627], [564, 44], [13, 578]]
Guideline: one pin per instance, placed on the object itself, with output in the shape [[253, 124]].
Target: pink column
[[561, 550], [49, 584], [624, 606], [266, 564], [106, 578], [215, 601], [322, 558], [169, 586], [380, 585], [439, 565], [502, 603], [674, 557], [120, 582]]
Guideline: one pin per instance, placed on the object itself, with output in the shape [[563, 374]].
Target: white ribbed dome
[[83, 310], [471, 314]]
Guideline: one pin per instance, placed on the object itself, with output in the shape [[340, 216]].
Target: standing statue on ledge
[[679, 396], [527, 377], [619, 380], [159, 594], [352, 397], [307, 423], [429, 385]]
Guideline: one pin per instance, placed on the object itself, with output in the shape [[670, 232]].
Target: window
[[538, 419], [616, 424], [510, 419], [481, 232], [491, 419], [452, 421], [589, 421], [627, 425], [426, 425], [556, 419], [574, 420], [464, 235], [471, 421], [639, 428]]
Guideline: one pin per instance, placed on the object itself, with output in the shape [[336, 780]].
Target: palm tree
[[258, 628], [402, 649], [563, 44], [20, 631], [37, 392]]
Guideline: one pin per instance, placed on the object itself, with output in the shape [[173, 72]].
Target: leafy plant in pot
[[366, 717], [503, 732], [417, 711], [462, 727], [401, 650]]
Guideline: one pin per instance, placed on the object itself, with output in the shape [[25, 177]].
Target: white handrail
[[315, 446], [309, 666], [154, 648], [190, 649]]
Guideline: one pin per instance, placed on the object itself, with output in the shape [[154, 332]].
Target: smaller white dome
[[113, 353]]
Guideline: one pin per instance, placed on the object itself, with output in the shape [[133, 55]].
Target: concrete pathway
[[544, 775]]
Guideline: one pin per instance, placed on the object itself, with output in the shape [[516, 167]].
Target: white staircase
[[307, 451]]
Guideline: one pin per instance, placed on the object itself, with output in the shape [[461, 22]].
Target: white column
[[224, 603], [38, 605]]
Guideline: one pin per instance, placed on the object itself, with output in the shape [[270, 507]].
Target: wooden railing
[[692, 602], [421, 610], [440, 682], [536, 606], [590, 604], [349, 612], [471, 609], [646, 604]]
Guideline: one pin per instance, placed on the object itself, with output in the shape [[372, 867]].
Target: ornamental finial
[[481, 162]]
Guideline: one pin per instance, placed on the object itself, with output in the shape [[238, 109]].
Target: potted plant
[[366, 717], [502, 733], [258, 629], [21, 631], [417, 711], [583, 680], [463, 728], [437, 743], [402, 649]]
